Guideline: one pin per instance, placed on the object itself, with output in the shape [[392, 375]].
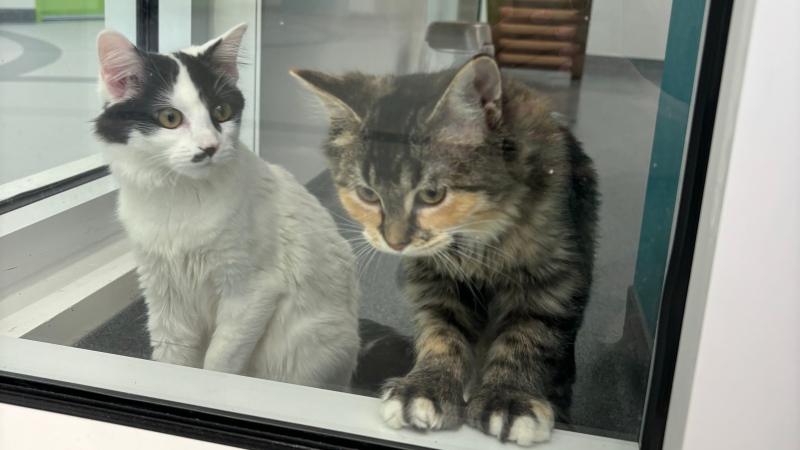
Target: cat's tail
[[384, 354]]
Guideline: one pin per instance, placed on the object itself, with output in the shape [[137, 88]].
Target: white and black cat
[[242, 269]]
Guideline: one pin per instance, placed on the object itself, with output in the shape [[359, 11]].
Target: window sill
[[49, 176], [46, 208], [296, 405], [61, 312]]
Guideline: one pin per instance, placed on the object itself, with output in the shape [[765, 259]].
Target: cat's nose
[[209, 151], [399, 246], [396, 233]]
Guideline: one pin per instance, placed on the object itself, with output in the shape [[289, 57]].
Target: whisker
[[378, 264], [345, 218], [496, 249], [490, 268], [358, 256], [468, 281], [364, 266], [329, 229]]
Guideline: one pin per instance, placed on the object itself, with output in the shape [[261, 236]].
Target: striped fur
[[499, 273]]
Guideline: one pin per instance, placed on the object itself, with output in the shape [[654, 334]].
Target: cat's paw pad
[[514, 417], [404, 405]]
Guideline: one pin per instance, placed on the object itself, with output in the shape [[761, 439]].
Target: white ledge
[[307, 407]]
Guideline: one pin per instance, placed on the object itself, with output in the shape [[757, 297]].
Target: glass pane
[[467, 209], [48, 53]]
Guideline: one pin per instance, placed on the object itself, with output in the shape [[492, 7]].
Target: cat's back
[[296, 209], [321, 287], [285, 207], [312, 250], [545, 142], [554, 165]]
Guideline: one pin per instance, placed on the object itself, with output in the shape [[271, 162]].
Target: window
[[637, 87]]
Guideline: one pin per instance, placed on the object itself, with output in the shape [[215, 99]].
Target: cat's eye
[[367, 194], [170, 118], [221, 112], [432, 196]]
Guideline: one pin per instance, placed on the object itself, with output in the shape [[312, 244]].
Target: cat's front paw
[[422, 403], [511, 416]]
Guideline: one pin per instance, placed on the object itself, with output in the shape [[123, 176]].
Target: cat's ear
[[332, 91], [121, 66], [224, 50], [471, 104]]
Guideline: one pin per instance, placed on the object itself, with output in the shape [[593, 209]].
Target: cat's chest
[[191, 275], [182, 225]]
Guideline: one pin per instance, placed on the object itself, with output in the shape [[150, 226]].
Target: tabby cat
[[492, 203]]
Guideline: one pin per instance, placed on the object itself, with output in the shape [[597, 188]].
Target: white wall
[[629, 28], [737, 381], [18, 4], [120, 15], [174, 25]]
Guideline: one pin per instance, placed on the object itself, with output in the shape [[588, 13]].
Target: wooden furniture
[[541, 34]]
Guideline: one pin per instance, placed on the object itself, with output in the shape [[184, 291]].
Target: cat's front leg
[[242, 315], [431, 396], [526, 365], [175, 335]]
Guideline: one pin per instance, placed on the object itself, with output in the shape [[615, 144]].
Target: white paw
[[526, 430], [496, 424], [422, 414], [392, 413]]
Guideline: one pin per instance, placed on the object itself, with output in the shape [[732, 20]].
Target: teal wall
[[680, 62]]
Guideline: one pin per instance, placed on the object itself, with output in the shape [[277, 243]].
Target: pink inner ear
[[119, 88], [486, 81], [227, 52], [120, 66]]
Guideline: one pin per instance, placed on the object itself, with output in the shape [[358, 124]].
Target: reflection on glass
[[429, 226], [48, 86]]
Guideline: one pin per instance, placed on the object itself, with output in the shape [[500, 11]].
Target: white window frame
[[68, 298], [302, 406], [736, 380], [691, 424]]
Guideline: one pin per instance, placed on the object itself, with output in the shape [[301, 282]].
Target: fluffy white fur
[[242, 269]]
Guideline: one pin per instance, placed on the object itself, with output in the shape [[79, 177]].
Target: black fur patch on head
[[214, 87], [116, 122]]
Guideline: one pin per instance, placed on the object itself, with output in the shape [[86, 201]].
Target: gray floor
[[612, 110], [48, 79]]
